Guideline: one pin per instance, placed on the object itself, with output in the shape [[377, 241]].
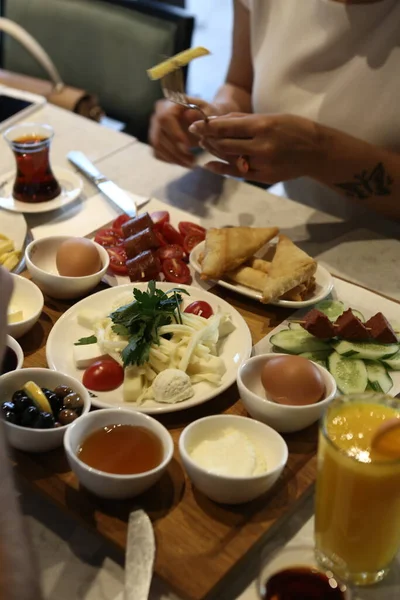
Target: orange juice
[[357, 520]]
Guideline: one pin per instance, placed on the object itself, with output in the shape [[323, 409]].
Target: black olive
[[11, 417], [66, 416], [73, 401], [18, 394], [56, 402], [22, 403], [8, 406], [44, 421], [29, 416], [63, 390]]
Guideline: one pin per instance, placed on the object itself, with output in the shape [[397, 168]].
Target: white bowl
[[229, 489], [38, 440], [40, 256], [13, 344], [109, 485], [281, 417], [27, 297]]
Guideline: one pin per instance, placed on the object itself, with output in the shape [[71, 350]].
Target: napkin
[[78, 218]]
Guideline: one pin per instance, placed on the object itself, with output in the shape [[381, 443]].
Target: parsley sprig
[[141, 319]]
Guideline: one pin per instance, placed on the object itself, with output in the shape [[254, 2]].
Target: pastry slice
[[228, 248], [249, 277], [290, 268]]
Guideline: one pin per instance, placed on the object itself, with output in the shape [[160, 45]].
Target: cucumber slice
[[320, 357], [378, 378], [294, 326], [357, 313], [331, 308], [350, 374], [393, 362], [368, 350], [296, 341]]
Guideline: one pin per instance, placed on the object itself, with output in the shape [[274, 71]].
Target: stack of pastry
[[229, 253]]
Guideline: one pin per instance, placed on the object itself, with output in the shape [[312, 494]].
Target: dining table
[[205, 551]]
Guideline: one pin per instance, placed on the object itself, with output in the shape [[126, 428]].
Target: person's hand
[[6, 288], [169, 133], [264, 148]]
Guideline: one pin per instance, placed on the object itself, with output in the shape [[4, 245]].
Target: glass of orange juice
[[357, 513]]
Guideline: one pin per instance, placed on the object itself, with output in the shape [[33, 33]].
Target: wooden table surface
[[198, 541]]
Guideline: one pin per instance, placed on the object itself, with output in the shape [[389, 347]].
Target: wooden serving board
[[198, 541]]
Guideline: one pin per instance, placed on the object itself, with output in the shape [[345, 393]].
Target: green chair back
[[103, 46]]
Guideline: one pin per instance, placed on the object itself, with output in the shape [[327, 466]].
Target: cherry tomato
[[172, 235], [191, 241], [118, 260], [176, 271], [160, 238], [159, 218], [171, 251], [201, 308], [103, 375], [107, 238], [119, 221], [186, 227]]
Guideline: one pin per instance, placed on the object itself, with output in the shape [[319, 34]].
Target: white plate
[[71, 186], [324, 283], [235, 348], [14, 226], [355, 297]]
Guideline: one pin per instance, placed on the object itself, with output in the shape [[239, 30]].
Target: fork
[[173, 89]]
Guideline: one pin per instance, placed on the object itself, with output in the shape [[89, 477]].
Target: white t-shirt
[[334, 63]]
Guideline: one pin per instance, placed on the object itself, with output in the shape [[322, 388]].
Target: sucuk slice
[[296, 341], [368, 350], [331, 308], [393, 362], [321, 357], [34, 392], [350, 374], [378, 377]]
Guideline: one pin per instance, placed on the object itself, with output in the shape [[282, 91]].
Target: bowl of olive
[[38, 405]]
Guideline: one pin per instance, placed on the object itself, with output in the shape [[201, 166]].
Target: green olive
[[63, 390], [66, 416], [73, 401]]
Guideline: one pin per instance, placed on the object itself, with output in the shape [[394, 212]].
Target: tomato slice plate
[[201, 308], [171, 251], [103, 375], [186, 228], [118, 260], [107, 238], [172, 235], [191, 241], [119, 221], [159, 218]]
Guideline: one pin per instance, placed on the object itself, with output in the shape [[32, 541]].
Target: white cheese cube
[[88, 318], [85, 355], [133, 385]]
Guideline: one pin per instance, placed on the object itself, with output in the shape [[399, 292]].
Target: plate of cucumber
[[358, 365]]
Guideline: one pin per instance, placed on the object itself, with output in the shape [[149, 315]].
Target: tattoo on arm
[[368, 184]]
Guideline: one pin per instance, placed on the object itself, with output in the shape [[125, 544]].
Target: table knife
[[107, 187], [139, 558]]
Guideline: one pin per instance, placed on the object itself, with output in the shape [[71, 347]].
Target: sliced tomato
[[171, 251], [118, 260], [191, 242], [172, 235], [160, 238], [119, 221], [186, 227], [103, 375], [201, 308], [159, 218], [107, 238], [176, 271]]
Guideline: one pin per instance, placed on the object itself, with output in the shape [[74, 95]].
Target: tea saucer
[[71, 187]]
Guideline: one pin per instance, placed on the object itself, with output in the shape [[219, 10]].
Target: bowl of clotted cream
[[232, 459]]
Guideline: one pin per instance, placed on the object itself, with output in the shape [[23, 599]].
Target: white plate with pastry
[[261, 265]]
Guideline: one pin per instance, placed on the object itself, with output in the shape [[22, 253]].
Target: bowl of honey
[[118, 453]]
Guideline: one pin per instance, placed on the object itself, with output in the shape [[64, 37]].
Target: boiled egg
[[292, 380], [77, 257]]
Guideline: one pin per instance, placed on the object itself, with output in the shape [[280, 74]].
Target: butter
[[231, 453], [14, 315]]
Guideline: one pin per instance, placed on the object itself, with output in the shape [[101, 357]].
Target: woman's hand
[[169, 133], [275, 147], [6, 288]]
